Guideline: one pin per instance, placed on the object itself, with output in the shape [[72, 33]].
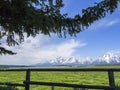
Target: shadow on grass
[[8, 88]]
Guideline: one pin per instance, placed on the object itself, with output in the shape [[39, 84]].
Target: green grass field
[[87, 78]]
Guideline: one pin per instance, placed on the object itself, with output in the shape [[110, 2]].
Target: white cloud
[[104, 23], [112, 22], [114, 52], [40, 49]]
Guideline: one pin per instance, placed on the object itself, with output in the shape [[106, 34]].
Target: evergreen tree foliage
[[31, 17]]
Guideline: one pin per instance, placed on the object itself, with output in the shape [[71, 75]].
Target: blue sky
[[101, 37]]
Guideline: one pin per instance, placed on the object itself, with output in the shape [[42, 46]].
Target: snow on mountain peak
[[107, 58], [110, 57]]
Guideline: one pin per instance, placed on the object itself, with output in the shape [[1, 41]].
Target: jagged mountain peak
[[61, 60], [110, 57], [107, 58]]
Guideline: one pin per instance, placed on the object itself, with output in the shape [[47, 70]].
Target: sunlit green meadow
[[86, 78]]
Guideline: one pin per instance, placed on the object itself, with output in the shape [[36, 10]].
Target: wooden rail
[[28, 82], [69, 85]]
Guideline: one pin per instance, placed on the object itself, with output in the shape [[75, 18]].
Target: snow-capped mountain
[[67, 61], [108, 58]]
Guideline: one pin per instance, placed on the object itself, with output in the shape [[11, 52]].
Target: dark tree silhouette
[[32, 17]]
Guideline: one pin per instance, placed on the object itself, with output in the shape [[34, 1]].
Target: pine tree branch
[[5, 51]]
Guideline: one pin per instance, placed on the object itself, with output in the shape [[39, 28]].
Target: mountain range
[[108, 58]]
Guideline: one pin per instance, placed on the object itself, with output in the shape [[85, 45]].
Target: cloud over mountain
[[41, 49]]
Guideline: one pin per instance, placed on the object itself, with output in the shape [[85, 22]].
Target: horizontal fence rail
[[28, 82], [69, 85], [66, 69]]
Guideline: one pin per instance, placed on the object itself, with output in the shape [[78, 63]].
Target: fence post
[[52, 87], [27, 85], [111, 78]]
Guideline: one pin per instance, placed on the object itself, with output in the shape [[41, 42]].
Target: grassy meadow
[[87, 78]]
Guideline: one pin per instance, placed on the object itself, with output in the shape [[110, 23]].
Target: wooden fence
[[27, 82]]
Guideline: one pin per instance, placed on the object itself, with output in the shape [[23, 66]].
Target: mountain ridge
[[107, 58]]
